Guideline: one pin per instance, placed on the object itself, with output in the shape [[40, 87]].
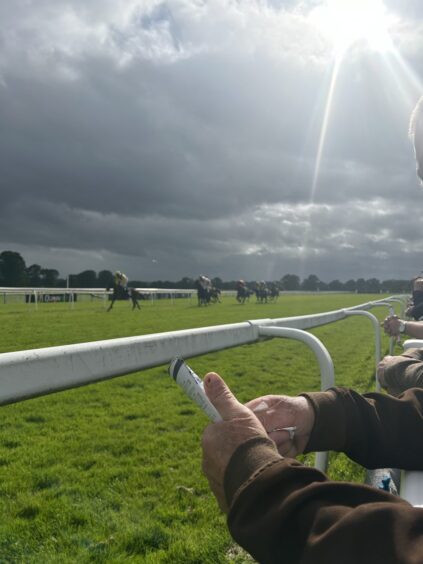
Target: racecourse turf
[[111, 472]]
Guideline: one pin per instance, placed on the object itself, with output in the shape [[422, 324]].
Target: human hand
[[220, 440], [279, 412], [391, 325]]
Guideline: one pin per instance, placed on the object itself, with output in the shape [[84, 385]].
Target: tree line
[[15, 273]]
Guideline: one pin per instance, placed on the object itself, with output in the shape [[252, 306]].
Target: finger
[[258, 405], [262, 403], [222, 398]]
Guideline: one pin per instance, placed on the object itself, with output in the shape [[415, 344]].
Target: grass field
[[112, 472]]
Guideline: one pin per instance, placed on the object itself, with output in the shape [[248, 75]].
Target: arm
[[290, 513], [393, 323], [375, 430], [287, 512], [399, 373], [282, 511]]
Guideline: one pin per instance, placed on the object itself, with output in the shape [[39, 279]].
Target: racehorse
[[215, 295], [261, 291], [203, 293], [242, 294], [119, 293], [273, 293]]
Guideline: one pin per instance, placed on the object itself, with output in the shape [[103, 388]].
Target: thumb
[[222, 398]]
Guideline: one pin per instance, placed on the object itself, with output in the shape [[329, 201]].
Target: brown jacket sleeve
[[405, 371], [282, 511]]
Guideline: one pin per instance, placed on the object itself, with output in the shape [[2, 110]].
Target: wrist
[[248, 459], [402, 327], [329, 424]]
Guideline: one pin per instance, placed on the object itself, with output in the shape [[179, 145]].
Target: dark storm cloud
[[187, 132]]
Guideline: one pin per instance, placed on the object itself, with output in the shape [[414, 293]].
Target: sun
[[349, 22]]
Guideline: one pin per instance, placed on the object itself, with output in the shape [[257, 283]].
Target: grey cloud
[[175, 130]]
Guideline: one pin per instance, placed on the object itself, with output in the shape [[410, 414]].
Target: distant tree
[[361, 286], [87, 279], [34, 275], [311, 283], [350, 285], [49, 277], [396, 286], [105, 279], [12, 269], [372, 286], [322, 286], [140, 284], [217, 282], [290, 282], [336, 286], [231, 285], [184, 282]]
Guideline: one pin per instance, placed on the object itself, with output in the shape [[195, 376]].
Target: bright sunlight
[[348, 22]]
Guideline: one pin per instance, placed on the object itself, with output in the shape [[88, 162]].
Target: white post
[[376, 328], [327, 371]]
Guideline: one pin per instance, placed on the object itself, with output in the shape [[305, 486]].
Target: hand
[[220, 440], [276, 412], [391, 325]]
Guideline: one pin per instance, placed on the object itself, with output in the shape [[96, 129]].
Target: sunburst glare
[[348, 22]]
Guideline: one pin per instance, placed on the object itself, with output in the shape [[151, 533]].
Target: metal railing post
[[376, 327], [327, 372]]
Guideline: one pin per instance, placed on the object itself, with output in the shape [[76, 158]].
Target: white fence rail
[[46, 295], [36, 372], [31, 373]]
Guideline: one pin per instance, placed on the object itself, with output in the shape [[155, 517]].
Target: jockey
[[120, 279], [120, 288]]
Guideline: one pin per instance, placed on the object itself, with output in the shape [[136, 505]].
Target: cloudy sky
[[235, 138]]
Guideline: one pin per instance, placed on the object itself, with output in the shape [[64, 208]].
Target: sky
[[232, 138]]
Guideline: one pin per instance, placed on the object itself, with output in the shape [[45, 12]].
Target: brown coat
[[284, 512], [405, 371]]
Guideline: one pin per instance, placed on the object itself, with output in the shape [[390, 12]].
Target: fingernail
[[209, 380]]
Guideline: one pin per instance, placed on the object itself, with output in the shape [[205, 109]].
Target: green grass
[[111, 472]]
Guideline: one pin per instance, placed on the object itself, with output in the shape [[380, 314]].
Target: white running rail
[[36, 372]]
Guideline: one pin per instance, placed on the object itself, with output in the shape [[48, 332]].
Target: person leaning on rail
[[401, 372], [394, 326], [398, 373], [283, 511], [415, 309]]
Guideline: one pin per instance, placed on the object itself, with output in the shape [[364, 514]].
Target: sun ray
[[348, 22]]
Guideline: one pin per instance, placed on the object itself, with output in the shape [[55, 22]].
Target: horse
[[119, 293], [262, 293], [243, 294], [203, 294], [273, 293], [215, 295]]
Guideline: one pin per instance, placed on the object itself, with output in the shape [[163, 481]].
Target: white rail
[[327, 371], [31, 373]]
